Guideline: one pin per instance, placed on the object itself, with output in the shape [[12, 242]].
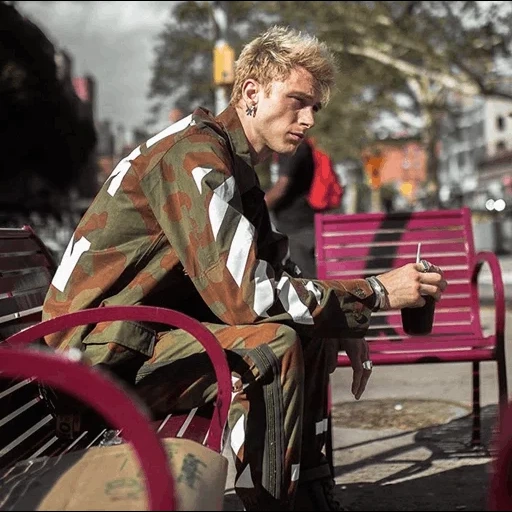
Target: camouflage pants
[[281, 380]]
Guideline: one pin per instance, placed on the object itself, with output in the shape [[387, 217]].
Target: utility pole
[[223, 57]]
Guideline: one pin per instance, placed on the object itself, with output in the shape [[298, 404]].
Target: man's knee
[[278, 349], [286, 340]]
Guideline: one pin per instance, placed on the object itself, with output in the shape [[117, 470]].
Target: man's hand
[[406, 285], [358, 352]]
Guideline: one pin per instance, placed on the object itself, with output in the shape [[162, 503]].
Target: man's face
[[287, 112]]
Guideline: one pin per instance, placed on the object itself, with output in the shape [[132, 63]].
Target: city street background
[[421, 120]]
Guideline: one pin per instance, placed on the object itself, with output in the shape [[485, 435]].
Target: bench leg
[[502, 379], [502, 389], [475, 434], [328, 435], [328, 445]]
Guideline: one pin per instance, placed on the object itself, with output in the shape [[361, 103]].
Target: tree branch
[[456, 83]]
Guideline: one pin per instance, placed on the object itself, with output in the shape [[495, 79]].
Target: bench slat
[[46, 446], [21, 302], [458, 288], [336, 271], [432, 343], [392, 336], [384, 237], [446, 320], [396, 332], [13, 324], [17, 412], [6, 233], [25, 281], [12, 388], [426, 358], [19, 245], [14, 316], [455, 262], [192, 423], [15, 263], [408, 252], [381, 223], [25, 435]]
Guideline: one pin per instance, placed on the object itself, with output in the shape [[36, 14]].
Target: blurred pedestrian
[[291, 212], [306, 184], [182, 224]]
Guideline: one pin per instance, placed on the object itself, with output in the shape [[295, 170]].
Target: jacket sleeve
[[197, 201]]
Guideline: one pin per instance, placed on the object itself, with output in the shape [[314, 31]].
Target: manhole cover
[[403, 414]]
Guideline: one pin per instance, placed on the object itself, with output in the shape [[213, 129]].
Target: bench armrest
[[491, 259], [157, 315], [116, 405]]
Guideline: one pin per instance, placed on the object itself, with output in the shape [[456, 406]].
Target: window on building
[[500, 123], [478, 155], [501, 146], [478, 130]]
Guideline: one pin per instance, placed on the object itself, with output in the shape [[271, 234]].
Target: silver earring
[[251, 111]]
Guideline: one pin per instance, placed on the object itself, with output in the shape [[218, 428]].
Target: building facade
[[475, 140], [476, 167]]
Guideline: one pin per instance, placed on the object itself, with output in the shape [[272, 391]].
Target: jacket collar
[[233, 127]]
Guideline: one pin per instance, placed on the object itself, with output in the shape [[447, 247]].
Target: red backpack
[[325, 192]]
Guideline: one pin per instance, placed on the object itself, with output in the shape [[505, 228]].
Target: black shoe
[[317, 495]]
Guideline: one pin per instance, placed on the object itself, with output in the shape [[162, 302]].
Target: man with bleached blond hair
[[182, 223]]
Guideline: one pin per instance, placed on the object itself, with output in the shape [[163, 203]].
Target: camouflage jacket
[[182, 223]]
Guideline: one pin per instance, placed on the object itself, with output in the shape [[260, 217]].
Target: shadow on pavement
[[462, 488], [435, 469]]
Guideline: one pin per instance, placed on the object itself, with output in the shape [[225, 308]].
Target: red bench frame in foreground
[[115, 405], [360, 245], [107, 398], [157, 315]]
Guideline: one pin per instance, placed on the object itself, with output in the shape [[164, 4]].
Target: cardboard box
[[110, 478]]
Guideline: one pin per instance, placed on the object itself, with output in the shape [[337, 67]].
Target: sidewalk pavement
[[423, 462]]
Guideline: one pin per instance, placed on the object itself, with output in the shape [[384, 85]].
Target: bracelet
[[380, 292]]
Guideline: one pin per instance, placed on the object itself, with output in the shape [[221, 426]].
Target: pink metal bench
[[27, 427], [360, 245]]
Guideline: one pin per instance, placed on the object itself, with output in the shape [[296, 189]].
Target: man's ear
[[250, 90]]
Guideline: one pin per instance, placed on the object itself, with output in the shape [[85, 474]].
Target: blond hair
[[275, 53]]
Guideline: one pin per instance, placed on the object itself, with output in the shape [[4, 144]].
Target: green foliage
[[385, 51], [182, 69], [183, 59]]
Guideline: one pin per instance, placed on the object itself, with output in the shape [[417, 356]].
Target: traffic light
[[223, 64], [373, 165], [375, 178]]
